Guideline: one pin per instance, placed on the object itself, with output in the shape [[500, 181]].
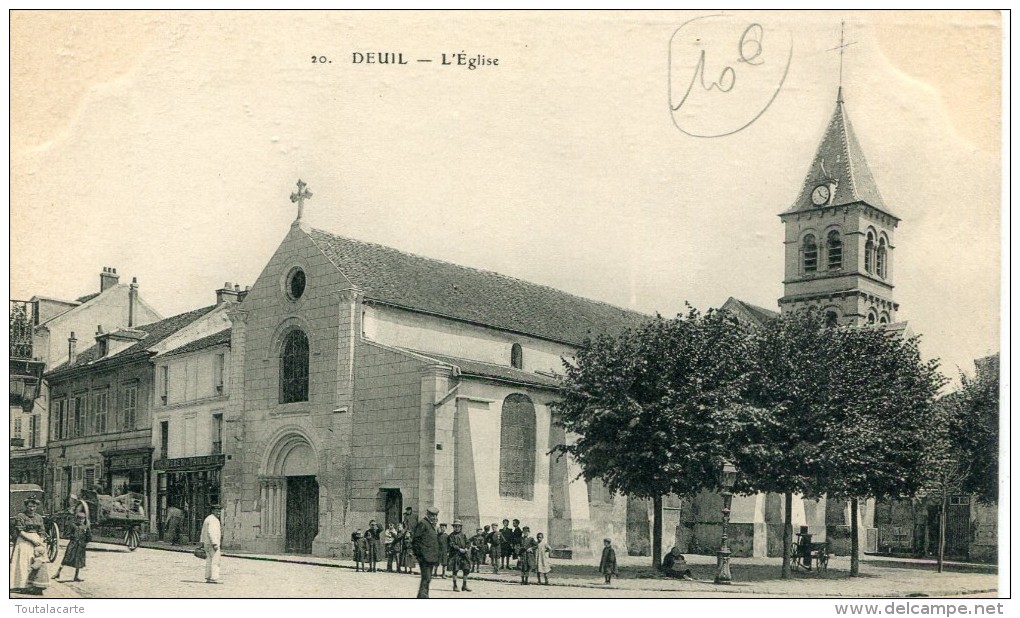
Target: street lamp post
[[727, 478]]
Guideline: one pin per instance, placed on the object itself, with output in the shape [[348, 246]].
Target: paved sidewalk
[[879, 576]]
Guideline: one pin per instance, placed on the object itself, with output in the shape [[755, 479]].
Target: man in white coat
[[211, 537]]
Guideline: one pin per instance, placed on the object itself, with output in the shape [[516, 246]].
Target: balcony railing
[[22, 321]]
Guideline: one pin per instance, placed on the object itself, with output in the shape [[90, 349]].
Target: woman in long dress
[[30, 527], [542, 551]]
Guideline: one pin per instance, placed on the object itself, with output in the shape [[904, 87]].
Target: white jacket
[[211, 531]]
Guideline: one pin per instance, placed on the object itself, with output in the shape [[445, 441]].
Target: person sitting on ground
[[674, 565]]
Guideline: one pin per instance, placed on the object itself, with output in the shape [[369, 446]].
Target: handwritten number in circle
[[757, 33]]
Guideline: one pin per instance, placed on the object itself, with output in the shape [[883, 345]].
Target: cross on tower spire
[[300, 196], [842, 46]]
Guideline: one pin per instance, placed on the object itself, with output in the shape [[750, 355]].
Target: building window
[[834, 249], [100, 408], [884, 319], [59, 412], [517, 448], [871, 317], [810, 250], [164, 383], [128, 410], [218, 368], [89, 477], [164, 438], [33, 430], [295, 284], [78, 413], [598, 493], [217, 434], [516, 356], [16, 431], [881, 260], [869, 253], [294, 368]]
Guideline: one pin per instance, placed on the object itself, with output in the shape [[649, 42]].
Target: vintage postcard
[[353, 269]]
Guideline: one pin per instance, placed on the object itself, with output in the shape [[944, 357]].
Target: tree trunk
[[657, 532], [788, 536], [942, 529], [855, 540]]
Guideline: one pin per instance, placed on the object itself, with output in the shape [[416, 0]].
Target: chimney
[[243, 293], [108, 278], [228, 293], [72, 353], [132, 301]]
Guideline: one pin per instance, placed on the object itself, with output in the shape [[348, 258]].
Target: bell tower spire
[[839, 231]]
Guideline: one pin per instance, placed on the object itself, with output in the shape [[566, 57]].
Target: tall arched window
[[881, 261], [810, 250], [516, 356], [834, 248], [871, 317], [869, 253], [294, 368], [517, 448]]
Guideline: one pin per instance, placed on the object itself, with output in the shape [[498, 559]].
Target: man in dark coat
[[425, 545], [506, 542], [516, 538]]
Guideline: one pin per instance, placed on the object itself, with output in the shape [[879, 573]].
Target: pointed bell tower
[[839, 235]]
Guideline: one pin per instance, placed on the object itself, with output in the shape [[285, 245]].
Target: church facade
[[368, 380]]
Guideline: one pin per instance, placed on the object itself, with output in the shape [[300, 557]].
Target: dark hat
[[456, 522], [432, 510], [34, 501]]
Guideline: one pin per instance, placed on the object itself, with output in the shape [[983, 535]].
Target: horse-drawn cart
[[125, 512], [51, 533]]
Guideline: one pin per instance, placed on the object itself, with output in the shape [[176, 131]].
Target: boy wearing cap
[[459, 554], [506, 542], [526, 554], [495, 546], [444, 551], [608, 564]]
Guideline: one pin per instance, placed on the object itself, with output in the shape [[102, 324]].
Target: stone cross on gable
[[300, 196]]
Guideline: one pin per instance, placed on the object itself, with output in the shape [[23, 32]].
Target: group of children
[[394, 543]]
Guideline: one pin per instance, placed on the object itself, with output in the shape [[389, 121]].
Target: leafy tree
[[878, 418], [977, 431], [650, 407], [779, 434]]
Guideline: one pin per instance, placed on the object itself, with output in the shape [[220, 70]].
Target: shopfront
[[128, 471], [191, 484]]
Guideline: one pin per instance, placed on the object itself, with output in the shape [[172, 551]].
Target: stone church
[[370, 380]]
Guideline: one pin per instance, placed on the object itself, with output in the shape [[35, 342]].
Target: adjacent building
[[102, 401], [42, 330]]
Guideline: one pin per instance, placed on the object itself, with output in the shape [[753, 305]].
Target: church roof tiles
[[840, 159], [404, 280]]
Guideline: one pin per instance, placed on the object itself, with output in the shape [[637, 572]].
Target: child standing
[[477, 542], [79, 537], [359, 550], [608, 564], [38, 574], [526, 555], [542, 551]]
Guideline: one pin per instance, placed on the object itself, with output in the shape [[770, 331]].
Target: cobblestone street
[[114, 572]]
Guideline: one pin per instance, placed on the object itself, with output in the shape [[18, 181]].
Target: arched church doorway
[[291, 489]]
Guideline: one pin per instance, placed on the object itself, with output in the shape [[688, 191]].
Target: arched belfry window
[[810, 251], [871, 317], [517, 448], [831, 319], [882, 259], [834, 249], [294, 368], [869, 253], [516, 356]]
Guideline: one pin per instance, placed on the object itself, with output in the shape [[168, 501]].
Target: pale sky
[[167, 145]]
